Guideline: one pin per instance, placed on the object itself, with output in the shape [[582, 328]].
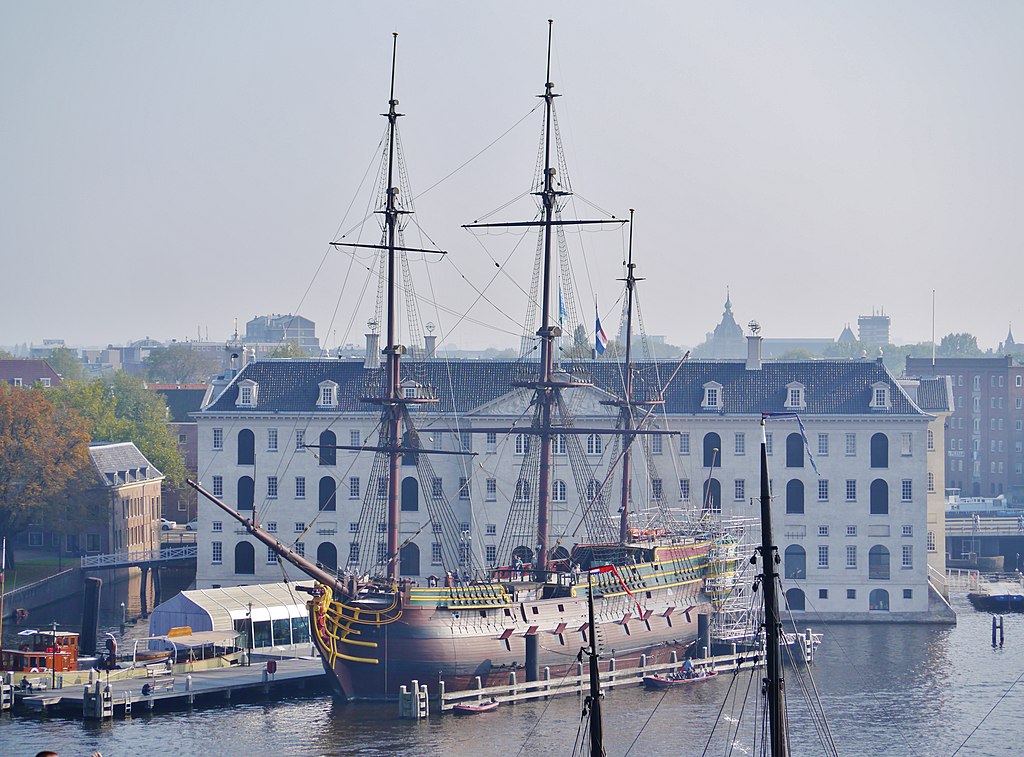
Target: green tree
[[180, 364], [798, 353], [5, 355], [288, 349], [67, 364], [44, 463], [121, 409], [959, 345]]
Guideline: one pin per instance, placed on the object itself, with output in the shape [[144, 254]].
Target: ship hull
[[464, 645]]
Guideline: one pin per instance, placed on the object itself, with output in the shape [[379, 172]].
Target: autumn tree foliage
[[44, 463]]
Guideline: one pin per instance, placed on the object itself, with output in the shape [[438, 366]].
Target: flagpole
[[3, 566]]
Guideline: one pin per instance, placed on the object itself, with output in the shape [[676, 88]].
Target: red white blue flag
[[600, 338]]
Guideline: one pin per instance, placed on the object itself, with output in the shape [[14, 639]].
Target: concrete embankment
[[33, 596]]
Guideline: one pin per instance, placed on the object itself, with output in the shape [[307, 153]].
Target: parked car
[[167, 525], [192, 525]]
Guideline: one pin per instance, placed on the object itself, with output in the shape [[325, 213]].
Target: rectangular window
[[300, 548], [822, 530], [436, 527], [908, 556], [908, 530], [182, 438], [656, 444], [851, 490], [18, 382], [906, 490], [271, 487], [740, 443], [435, 554], [300, 440], [656, 489], [822, 555], [823, 490], [353, 487], [272, 527], [216, 552], [218, 486], [353, 553], [492, 490], [823, 445], [684, 489], [463, 488], [822, 593], [906, 441], [466, 440], [492, 442], [491, 554], [851, 555], [299, 526], [300, 487], [354, 439], [851, 593], [382, 552], [217, 526], [684, 443], [931, 541], [437, 487], [271, 557], [218, 438], [851, 445], [740, 490], [353, 528], [272, 440], [768, 443]]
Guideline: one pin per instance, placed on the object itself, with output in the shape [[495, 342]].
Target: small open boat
[[677, 679], [475, 709]]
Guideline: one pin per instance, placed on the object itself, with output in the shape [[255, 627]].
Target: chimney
[[372, 359], [754, 352], [430, 343]]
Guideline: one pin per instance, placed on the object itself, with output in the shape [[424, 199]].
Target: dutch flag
[[600, 338]]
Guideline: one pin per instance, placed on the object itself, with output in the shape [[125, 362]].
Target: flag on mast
[[600, 338], [561, 307]]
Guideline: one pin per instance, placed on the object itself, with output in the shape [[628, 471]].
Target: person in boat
[[688, 669], [465, 578]]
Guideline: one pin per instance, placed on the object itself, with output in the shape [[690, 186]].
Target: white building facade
[[852, 534]]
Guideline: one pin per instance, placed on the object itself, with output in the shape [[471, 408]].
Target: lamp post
[[53, 657], [124, 617]]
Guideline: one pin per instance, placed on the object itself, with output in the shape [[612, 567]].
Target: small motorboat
[[475, 709], [677, 679]]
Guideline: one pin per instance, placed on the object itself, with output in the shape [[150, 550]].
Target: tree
[[67, 364], [44, 463], [797, 353], [5, 355], [288, 349], [180, 364], [959, 345], [121, 409]]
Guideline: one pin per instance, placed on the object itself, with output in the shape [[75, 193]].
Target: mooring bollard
[[675, 657]]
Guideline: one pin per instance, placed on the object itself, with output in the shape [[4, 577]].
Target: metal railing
[[992, 526], [958, 579], [115, 559]]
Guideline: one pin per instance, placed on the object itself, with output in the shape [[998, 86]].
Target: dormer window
[[880, 396], [328, 394], [795, 397], [247, 391], [712, 396]]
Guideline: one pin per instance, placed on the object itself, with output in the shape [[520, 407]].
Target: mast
[[393, 409], [547, 333], [627, 408], [773, 683], [594, 700]]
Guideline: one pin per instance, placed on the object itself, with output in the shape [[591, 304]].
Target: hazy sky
[[171, 166]]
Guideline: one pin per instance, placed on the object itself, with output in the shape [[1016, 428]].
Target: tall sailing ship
[[377, 631]]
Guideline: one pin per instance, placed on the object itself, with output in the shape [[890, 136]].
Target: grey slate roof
[[121, 463], [935, 394], [832, 387]]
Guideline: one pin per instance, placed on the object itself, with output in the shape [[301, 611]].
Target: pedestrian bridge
[[150, 558], [995, 525]]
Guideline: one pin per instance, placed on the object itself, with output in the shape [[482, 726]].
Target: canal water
[[886, 690]]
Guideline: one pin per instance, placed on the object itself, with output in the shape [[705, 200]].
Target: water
[[887, 690]]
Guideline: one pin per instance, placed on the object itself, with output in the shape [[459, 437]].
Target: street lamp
[[53, 657], [124, 618]]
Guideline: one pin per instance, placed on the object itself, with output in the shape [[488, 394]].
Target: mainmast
[[773, 683], [627, 408]]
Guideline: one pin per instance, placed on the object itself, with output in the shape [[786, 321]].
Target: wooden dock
[[107, 697]]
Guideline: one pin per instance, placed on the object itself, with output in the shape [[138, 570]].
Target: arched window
[[559, 553], [879, 451], [795, 561], [931, 481], [409, 560], [245, 559], [712, 450], [878, 599], [246, 493], [327, 556], [523, 553], [558, 444], [522, 490], [593, 489], [931, 440], [246, 447], [794, 451], [712, 496], [410, 495], [879, 497], [795, 496], [328, 493], [878, 563], [558, 491], [328, 454], [594, 444], [522, 444], [795, 600]]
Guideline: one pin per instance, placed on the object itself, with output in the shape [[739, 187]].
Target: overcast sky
[[168, 167]]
